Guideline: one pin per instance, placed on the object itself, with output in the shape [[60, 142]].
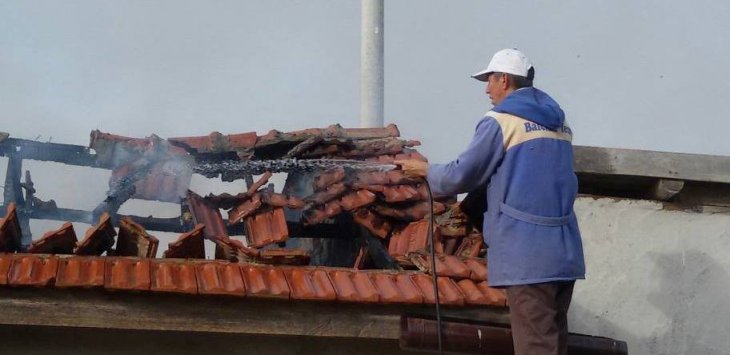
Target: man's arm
[[474, 166]]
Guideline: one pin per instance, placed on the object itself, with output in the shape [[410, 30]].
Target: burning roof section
[[383, 214]]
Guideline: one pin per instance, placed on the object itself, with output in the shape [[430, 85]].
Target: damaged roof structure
[[337, 251]]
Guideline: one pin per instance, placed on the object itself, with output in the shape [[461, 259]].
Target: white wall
[[658, 279]]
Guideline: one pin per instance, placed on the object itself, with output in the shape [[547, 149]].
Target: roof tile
[[261, 181], [204, 213], [188, 245], [414, 212], [478, 268], [395, 288], [446, 265], [244, 209], [327, 178], [33, 270], [412, 238], [60, 241], [133, 240], [495, 297], [80, 271], [283, 257], [331, 192], [449, 293], [10, 233], [481, 294], [373, 223], [220, 278], [173, 276], [470, 246], [265, 281], [5, 261], [353, 286], [127, 274], [233, 250], [266, 228], [309, 284], [357, 199], [216, 142], [97, 239]]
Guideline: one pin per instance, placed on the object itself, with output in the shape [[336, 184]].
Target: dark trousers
[[538, 314]]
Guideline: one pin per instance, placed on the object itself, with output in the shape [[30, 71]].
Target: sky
[[629, 74]]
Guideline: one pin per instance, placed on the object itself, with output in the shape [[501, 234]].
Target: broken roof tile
[[353, 286], [377, 146], [10, 233], [413, 212], [470, 246], [122, 273], [133, 240], [244, 209], [233, 250], [60, 241], [97, 239], [172, 276], [219, 278], [81, 271], [280, 200], [266, 227], [5, 261], [478, 268], [283, 257], [329, 193], [33, 270], [373, 223], [327, 178], [262, 180], [187, 245], [395, 288], [400, 193], [265, 281], [216, 142], [446, 265], [357, 199], [412, 238], [309, 284], [210, 216]]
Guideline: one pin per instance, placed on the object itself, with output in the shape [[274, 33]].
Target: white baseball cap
[[509, 61]]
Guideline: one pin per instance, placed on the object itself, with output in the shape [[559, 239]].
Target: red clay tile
[[173, 276], [413, 238], [357, 199], [309, 284], [280, 200], [60, 241], [446, 265], [353, 286], [449, 293], [97, 239], [377, 146], [216, 142], [204, 213], [10, 233], [478, 268], [127, 274], [414, 212], [481, 295], [245, 209], [266, 228], [327, 178], [80, 271], [283, 257], [33, 270], [449, 244], [366, 179], [470, 246], [331, 192], [495, 297], [233, 250], [399, 177], [265, 281], [133, 240], [5, 261], [219, 278], [373, 223], [188, 245], [259, 183], [395, 288]]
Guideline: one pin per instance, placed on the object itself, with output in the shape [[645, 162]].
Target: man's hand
[[413, 168]]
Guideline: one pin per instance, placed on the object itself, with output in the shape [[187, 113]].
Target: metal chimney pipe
[[372, 64]]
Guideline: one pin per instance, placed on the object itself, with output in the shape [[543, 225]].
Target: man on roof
[[522, 152]]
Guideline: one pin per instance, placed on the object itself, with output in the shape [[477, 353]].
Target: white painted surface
[[658, 279]]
